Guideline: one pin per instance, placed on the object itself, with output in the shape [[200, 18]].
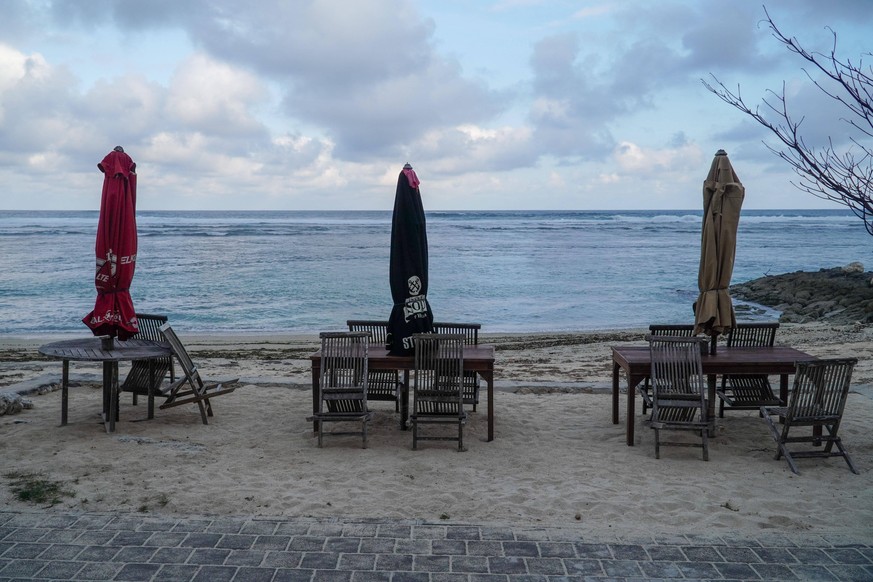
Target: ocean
[[304, 272]]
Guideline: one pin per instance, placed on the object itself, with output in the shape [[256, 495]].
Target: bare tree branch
[[843, 177]]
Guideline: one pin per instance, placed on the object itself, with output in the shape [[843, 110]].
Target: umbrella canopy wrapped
[[113, 313], [723, 195], [411, 313]]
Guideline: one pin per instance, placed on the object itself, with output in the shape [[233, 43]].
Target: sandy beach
[[557, 459]]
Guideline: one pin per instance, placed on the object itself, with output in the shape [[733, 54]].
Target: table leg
[[110, 395], [65, 391], [316, 373], [489, 377], [113, 396], [152, 390], [107, 388], [615, 369], [404, 401], [783, 389], [711, 384], [631, 411]]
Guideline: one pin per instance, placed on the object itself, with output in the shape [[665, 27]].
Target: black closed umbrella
[[408, 268]]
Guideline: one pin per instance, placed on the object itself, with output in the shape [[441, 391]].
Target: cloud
[[366, 73], [207, 95], [633, 159]]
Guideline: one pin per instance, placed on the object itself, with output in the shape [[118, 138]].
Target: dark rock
[[839, 295]]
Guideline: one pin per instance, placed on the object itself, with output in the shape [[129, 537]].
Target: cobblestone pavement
[[109, 546]]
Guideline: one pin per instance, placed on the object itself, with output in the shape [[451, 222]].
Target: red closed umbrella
[[113, 313]]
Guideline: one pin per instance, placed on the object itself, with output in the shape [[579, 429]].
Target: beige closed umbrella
[[723, 195]]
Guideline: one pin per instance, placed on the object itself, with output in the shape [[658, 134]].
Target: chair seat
[[807, 416], [749, 392], [346, 406], [339, 416], [383, 385], [677, 414]]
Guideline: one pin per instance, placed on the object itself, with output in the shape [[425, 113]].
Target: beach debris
[[12, 403]]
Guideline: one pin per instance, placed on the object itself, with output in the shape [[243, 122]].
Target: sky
[[497, 104]]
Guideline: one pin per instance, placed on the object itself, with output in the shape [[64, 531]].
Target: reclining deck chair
[[818, 400], [190, 388], [471, 338], [438, 388], [140, 378], [381, 384], [342, 385], [748, 391], [678, 390]]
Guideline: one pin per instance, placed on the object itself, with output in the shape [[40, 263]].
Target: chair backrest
[[749, 335], [344, 367], [675, 330], [377, 329], [680, 330], [439, 372], [677, 371], [470, 331], [821, 388], [150, 326], [182, 355]]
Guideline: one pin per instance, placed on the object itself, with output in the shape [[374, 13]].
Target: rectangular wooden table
[[95, 349], [636, 363], [478, 358]]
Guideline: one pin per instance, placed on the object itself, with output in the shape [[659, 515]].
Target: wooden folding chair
[[438, 396], [678, 390], [382, 385], [342, 385], [821, 388], [748, 391], [670, 329], [190, 388], [144, 373], [470, 331]]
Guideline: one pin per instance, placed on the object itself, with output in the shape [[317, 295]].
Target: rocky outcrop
[[839, 295]]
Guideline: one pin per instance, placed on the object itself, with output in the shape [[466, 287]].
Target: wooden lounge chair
[[342, 385], [190, 388], [678, 390], [438, 387], [470, 332], [818, 400], [384, 385], [140, 378], [748, 392]]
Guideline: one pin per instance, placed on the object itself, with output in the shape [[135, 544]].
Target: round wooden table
[[110, 352]]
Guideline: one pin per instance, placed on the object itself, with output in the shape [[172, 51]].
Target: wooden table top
[[91, 349], [746, 360]]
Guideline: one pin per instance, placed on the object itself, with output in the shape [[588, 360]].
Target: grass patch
[[33, 488]]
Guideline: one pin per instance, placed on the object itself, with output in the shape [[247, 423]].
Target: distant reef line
[[840, 295]]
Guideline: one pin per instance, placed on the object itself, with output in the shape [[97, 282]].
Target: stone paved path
[[98, 546]]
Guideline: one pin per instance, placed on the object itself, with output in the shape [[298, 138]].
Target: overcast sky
[[317, 104]]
